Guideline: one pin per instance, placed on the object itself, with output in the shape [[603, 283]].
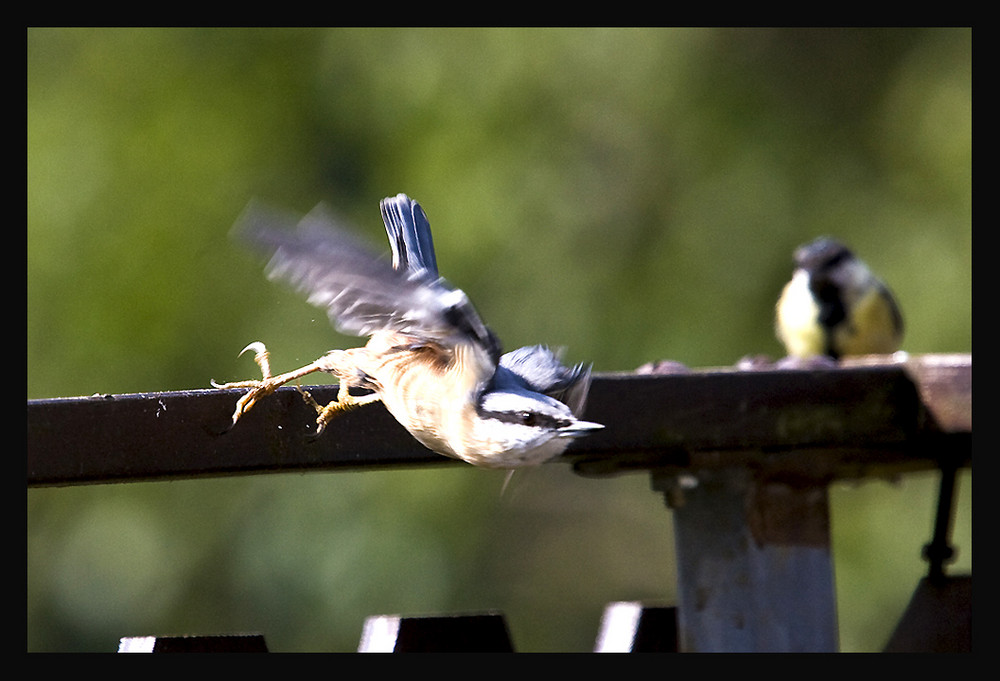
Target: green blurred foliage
[[629, 194]]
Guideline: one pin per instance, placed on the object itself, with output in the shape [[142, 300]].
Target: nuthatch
[[430, 359], [835, 306]]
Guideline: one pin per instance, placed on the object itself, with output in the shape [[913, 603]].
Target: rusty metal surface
[[944, 383], [819, 423], [156, 436], [754, 566], [744, 459], [857, 420]]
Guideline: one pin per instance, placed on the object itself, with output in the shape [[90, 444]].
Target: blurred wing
[[361, 292]]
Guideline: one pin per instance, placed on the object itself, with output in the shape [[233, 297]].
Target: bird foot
[[258, 388], [268, 384], [345, 402]]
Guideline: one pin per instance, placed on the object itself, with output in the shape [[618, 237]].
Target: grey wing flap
[[361, 292], [542, 371]]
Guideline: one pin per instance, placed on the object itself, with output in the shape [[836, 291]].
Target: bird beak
[[579, 428]]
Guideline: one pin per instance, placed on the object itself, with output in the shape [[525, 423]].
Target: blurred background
[[631, 195]]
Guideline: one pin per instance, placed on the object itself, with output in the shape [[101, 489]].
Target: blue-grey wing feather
[[363, 292], [539, 369], [409, 234]]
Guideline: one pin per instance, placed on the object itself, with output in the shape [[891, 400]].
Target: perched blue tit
[[835, 306]]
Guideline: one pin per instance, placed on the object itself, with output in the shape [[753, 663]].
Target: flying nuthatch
[[430, 359]]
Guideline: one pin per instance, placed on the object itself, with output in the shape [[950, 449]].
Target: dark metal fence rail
[[744, 459]]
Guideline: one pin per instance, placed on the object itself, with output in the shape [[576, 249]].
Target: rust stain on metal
[[782, 513]]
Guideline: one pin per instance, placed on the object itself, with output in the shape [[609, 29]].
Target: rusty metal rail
[[863, 419], [743, 457]]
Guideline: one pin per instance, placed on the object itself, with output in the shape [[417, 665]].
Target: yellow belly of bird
[[797, 324], [871, 329]]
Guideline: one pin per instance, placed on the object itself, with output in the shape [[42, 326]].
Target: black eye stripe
[[526, 418]]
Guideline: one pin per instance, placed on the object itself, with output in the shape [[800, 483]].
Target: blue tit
[[835, 306]]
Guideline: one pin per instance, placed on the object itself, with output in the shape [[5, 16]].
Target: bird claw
[[268, 384], [311, 401], [258, 388], [345, 402], [261, 357]]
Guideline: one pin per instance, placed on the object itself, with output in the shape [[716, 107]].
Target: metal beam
[[754, 563], [848, 421]]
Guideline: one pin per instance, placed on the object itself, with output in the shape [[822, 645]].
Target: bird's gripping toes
[[268, 384], [429, 359]]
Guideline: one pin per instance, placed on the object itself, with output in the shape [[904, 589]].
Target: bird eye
[[527, 418]]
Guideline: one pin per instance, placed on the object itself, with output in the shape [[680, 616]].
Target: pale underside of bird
[[430, 359]]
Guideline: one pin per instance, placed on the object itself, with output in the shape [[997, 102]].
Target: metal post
[[754, 563]]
